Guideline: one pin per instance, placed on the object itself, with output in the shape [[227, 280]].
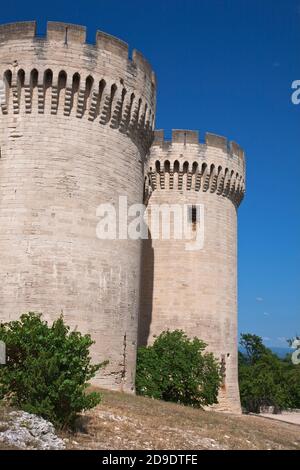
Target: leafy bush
[[175, 368], [47, 369], [265, 379]]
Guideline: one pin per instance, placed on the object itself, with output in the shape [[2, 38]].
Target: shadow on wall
[[146, 298]]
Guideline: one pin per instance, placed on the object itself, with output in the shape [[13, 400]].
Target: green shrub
[[47, 369], [265, 379], [176, 368]]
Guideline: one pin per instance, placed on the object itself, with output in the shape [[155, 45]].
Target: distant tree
[[176, 368], [253, 347], [265, 379]]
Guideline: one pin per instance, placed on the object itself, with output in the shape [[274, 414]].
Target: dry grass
[[128, 422]]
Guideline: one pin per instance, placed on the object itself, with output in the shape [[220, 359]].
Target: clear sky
[[224, 66]]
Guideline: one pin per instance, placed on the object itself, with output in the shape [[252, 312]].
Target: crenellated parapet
[[185, 164], [60, 74]]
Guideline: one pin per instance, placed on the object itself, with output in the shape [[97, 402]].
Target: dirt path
[[293, 418]]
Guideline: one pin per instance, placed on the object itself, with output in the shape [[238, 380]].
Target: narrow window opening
[[192, 212]]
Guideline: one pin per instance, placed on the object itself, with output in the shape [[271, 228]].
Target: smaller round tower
[[190, 283]]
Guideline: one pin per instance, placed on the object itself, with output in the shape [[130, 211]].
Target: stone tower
[[76, 124], [76, 128], [195, 290]]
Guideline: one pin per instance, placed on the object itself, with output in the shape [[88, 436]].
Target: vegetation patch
[[47, 369], [177, 369]]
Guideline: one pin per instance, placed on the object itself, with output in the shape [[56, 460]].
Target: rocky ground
[[21, 430]]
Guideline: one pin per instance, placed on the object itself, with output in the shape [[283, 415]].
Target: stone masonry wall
[[74, 132]]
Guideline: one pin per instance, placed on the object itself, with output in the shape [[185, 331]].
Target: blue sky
[[224, 67]]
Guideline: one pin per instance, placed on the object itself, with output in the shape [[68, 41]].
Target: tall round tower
[[76, 124], [190, 278]]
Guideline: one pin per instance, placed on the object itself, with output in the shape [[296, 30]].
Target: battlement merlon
[[20, 30], [68, 34], [191, 137]]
